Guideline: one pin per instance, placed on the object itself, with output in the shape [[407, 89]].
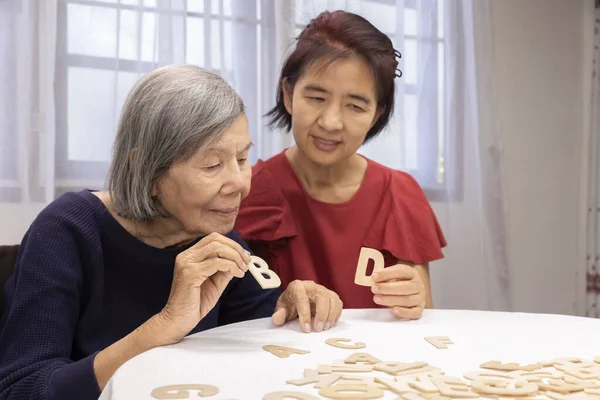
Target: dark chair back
[[8, 258]]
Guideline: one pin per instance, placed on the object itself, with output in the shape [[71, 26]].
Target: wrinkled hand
[[308, 301], [201, 274], [401, 288]]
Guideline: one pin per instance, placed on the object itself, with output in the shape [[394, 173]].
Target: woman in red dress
[[315, 206]]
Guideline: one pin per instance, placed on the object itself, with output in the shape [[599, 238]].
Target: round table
[[232, 359]]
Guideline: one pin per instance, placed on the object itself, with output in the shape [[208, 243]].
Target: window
[[103, 47]]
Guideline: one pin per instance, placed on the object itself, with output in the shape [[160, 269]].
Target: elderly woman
[[104, 276]]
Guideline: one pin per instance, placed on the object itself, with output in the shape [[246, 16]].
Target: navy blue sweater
[[81, 283]]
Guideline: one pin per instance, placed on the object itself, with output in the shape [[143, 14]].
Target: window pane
[[128, 35], [8, 97], [308, 9], [215, 44], [149, 37], [92, 30], [440, 19], [131, 2], [228, 45], [381, 15], [195, 41], [221, 46], [149, 3], [195, 6], [441, 113], [410, 21], [215, 4], [94, 100], [410, 131], [410, 59], [386, 148]]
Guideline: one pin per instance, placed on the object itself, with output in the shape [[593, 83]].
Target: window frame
[[77, 174]]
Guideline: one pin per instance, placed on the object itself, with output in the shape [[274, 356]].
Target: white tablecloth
[[232, 359]]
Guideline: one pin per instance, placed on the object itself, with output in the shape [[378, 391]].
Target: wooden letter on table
[[418, 396], [394, 368], [360, 380], [259, 268], [453, 387], [352, 392], [399, 386], [361, 358], [367, 254], [313, 376], [283, 352], [331, 369], [424, 384], [183, 391], [509, 366], [504, 388], [581, 370], [439, 341], [289, 395], [339, 342]]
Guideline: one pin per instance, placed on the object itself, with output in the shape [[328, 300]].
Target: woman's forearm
[[146, 337]]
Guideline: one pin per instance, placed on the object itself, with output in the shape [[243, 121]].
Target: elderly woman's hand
[[201, 274], [401, 288], [304, 299]]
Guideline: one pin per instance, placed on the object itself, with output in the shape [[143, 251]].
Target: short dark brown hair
[[336, 35]]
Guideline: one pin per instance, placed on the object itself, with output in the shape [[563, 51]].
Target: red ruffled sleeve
[[265, 215], [406, 225]]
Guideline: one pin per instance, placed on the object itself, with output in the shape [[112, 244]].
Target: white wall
[[538, 50], [538, 58], [16, 219]]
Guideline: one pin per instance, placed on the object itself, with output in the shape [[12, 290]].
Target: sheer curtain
[[73, 62]]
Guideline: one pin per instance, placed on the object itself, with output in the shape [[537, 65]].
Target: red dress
[[303, 238]]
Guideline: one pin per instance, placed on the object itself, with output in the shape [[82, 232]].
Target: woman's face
[[332, 109], [204, 192]]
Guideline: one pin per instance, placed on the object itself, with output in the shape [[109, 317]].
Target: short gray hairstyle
[[169, 114]]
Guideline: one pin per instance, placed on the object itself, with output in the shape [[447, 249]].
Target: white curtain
[[593, 184], [73, 61], [475, 272], [27, 129]]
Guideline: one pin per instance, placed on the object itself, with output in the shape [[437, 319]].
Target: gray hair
[[168, 115]]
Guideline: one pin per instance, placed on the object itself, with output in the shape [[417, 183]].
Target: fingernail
[[377, 299], [327, 326], [247, 253], [320, 326], [375, 276], [245, 267], [374, 289], [307, 327]]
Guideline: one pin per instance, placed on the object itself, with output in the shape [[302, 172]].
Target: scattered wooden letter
[[266, 278], [439, 342], [339, 343], [183, 391], [367, 254], [283, 352]]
